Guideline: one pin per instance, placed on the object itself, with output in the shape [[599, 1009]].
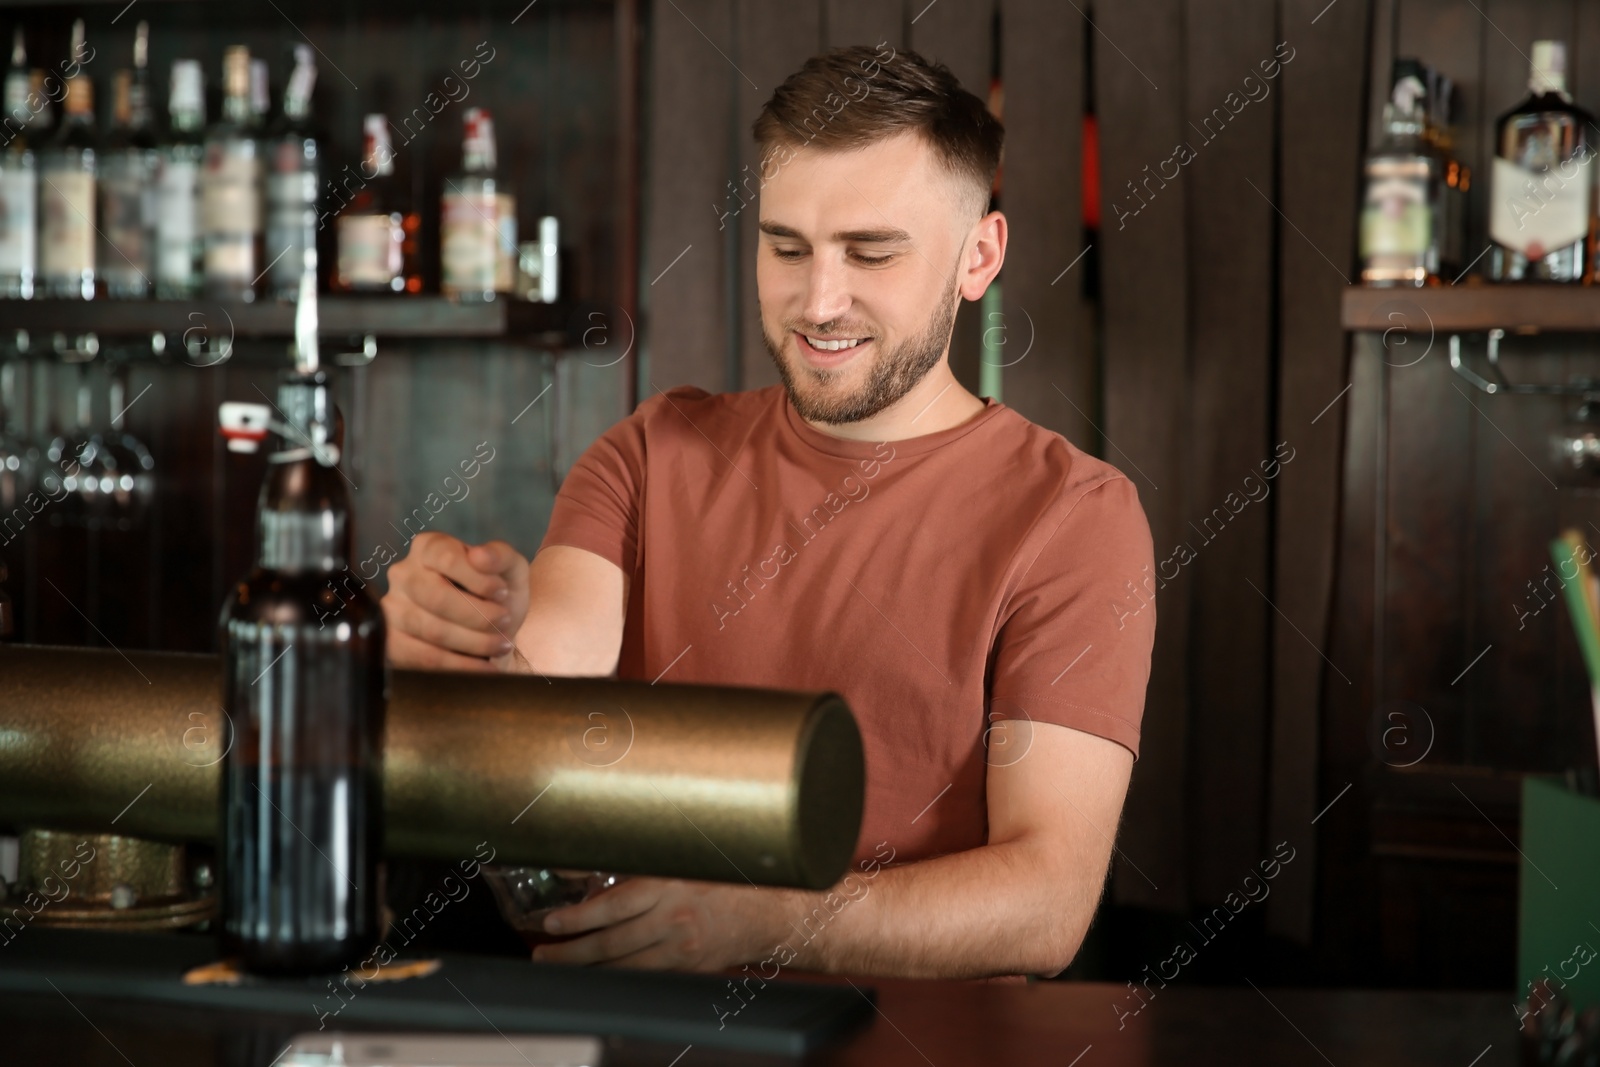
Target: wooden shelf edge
[[388, 318], [1472, 307]]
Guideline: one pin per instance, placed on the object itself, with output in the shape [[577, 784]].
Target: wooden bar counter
[[84, 999]]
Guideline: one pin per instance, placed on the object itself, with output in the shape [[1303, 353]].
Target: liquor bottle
[[302, 800], [470, 215], [180, 249], [41, 104], [230, 188], [127, 182], [1402, 206], [260, 92], [19, 180], [505, 258], [293, 159], [1541, 191], [1440, 130], [371, 231], [67, 170]]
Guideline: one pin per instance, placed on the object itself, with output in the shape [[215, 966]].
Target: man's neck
[[938, 402]]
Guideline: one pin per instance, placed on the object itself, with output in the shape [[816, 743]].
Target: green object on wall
[[1558, 911], [990, 357]]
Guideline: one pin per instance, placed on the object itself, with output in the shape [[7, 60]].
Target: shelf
[[386, 318], [1473, 307]]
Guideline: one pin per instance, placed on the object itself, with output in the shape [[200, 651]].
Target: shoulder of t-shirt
[[1062, 473]]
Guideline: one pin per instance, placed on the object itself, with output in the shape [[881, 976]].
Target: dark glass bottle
[[302, 812], [1541, 191]]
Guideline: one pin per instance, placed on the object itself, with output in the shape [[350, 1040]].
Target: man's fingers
[[448, 636], [407, 652], [499, 559], [620, 902], [449, 557], [614, 942], [433, 593]]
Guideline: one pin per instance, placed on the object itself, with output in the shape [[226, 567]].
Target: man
[[957, 573]]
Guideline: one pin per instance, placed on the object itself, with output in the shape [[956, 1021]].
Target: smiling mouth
[[825, 347]]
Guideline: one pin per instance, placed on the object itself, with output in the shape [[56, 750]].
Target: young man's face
[[859, 246]]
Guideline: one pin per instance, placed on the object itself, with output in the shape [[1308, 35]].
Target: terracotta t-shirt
[[940, 584]]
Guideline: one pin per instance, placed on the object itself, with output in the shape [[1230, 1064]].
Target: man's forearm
[[985, 911]]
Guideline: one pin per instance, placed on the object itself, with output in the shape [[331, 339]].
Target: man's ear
[[985, 256]]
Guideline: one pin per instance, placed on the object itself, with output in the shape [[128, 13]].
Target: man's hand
[[453, 606], [667, 924]]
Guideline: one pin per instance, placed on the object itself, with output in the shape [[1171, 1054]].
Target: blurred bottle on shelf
[[19, 180], [539, 264], [1440, 114], [67, 172], [230, 188], [372, 229], [179, 245], [505, 253], [260, 92], [294, 158], [469, 245], [127, 182], [1542, 188], [41, 104], [1402, 208]]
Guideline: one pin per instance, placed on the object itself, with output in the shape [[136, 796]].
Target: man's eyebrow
[[883, 236]]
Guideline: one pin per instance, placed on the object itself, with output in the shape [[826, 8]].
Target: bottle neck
[[188, 119], [303, 516], [304, 513], [236, 109]]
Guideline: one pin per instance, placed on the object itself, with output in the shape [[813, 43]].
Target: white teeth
[[833, 346]]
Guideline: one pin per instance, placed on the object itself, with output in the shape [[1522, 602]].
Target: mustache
[[846, 329]]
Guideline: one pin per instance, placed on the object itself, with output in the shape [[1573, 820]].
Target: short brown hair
[[850, 97]]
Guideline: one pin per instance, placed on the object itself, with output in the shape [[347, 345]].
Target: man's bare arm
[[1020, 904], [577, 601]]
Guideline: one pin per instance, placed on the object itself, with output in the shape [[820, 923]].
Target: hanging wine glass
[[127, 481], [18, 456], [75, 461]]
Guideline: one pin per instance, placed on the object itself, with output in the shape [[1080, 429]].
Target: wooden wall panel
[[1050, 375], [866, 21], [693, 211], [1321, 119], [1517, 504], [1146, 311], [1229, 186], [961, 36], [774, 40]]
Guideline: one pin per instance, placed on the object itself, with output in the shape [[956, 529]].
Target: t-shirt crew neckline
[[852, 449]]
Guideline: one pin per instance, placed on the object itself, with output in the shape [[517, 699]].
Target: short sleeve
[[598, 505], [1074, 648]]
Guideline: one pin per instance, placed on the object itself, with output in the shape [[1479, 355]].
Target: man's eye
[[871, 261], [787, 254]]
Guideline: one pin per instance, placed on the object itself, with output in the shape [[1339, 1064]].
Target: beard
[[894, 374]]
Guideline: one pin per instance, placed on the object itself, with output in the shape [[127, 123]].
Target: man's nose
[[827, 292]]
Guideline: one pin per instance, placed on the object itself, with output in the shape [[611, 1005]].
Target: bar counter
[[86, 999]]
